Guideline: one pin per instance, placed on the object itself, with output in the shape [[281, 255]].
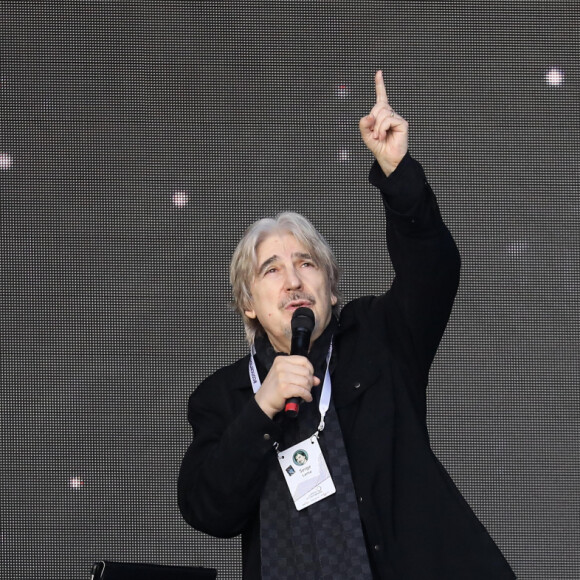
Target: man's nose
[[293, 280]]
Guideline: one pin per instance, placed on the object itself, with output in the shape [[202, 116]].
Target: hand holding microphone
[[291, 377]]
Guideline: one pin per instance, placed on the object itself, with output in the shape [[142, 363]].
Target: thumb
[[366, 124]]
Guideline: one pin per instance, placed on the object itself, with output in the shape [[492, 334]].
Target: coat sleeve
[[426, 262], [224, 469]]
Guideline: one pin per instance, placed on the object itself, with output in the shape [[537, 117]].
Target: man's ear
[[250, 314], [333, 299]]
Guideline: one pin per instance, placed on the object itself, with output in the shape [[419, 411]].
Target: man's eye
[[307, 264]]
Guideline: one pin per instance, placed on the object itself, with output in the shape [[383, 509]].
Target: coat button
[[357, 386], [267, 436], [377, 548]]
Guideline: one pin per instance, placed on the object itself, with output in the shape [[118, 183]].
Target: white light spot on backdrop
[[555, 76], [343, 155], [76, 483], [5, 161], [180, 199]]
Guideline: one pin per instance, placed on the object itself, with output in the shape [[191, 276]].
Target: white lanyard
[[326, 386]]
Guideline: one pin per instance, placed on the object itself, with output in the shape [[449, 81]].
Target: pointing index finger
[[380, 88]]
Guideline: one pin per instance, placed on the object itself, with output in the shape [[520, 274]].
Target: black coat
[[417, 525]]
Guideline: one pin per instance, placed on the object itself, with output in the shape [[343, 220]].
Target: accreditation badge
[[306, 473]]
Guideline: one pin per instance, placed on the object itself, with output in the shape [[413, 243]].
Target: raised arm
[[426, 262]]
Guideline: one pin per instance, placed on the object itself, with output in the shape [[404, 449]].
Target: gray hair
[[245, 261]]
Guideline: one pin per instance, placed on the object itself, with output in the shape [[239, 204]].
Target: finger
[[297, 370], [393, 125], [299, 361], [387, 125], [297, 380], [303, 394], [381, 108], [384, 116], [376, 110], [292, 363], [296, 386], [380, 88]]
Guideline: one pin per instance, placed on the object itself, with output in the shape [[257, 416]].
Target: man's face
[[288, 278]]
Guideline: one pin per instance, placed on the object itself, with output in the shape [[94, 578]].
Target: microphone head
[[303, 319]]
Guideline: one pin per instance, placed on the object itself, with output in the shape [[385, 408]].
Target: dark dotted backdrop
[[139, 139]]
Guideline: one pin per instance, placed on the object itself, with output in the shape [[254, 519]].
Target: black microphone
[[302, 326]]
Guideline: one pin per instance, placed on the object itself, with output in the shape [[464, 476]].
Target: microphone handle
[[299, 346]]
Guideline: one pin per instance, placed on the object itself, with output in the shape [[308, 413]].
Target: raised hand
[[385, 133]]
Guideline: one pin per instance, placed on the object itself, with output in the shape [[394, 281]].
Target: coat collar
[[265, 353]]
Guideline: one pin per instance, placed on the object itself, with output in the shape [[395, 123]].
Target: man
[[369, 498]]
